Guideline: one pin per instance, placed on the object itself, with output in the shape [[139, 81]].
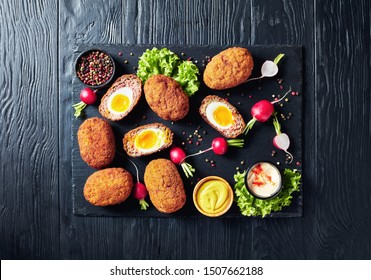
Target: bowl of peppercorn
[[95, 68]]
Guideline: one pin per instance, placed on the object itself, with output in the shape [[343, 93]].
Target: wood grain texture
[[37, 42], [29, 137], [192, 22], [343, 100]]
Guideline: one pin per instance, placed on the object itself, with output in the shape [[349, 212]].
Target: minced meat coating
[[228, 69], [108, 186], [96, 142], [165, 186], [166, 97]]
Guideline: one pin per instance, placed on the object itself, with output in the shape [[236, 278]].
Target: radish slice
[[269, 68], [281, 140]]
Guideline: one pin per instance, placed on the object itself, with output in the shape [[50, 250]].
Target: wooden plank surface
[[37, 41], [29, 170], [343, 134]]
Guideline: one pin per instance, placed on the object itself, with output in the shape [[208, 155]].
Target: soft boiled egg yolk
[[120, 101], [219, 114], [223, 116], [150, 139], [146, 140]]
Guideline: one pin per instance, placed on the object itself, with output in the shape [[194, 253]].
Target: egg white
[[210, 114], [160, 140], [126, 91]]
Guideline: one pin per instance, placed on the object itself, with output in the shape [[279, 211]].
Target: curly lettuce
[[251, 206], [163, 61]]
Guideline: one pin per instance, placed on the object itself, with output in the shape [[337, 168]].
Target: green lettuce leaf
[[251, 206], [186, 76], [163, 61]]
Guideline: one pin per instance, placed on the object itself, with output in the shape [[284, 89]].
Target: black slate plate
[[258, 143]]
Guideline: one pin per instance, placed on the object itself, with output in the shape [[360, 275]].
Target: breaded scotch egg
[[165, 186], [108, 186], [229, 68], [147, 139], [222, 116], [166, 97], [96, 142], [121, 97]]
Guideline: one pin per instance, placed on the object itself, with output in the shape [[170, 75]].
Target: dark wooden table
[[37, 41]]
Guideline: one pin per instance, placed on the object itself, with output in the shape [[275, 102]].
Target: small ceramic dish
[[95, 68], [263, 180], [213, 196]]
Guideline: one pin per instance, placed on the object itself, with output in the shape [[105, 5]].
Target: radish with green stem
[[87, 97], [140, 191], [269, 68], [219, 146], [262, 111], [177, 156], [281, 140]]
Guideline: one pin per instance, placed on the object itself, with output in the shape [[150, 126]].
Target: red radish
[[140, 191], [87, 97], [220, 146], [281, 140], [177, 155], [262, 111]]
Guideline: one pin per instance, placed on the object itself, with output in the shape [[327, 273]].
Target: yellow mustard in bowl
[[213, 196]]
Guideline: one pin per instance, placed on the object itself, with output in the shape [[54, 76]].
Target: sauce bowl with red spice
[[263, 180], [95, 68]]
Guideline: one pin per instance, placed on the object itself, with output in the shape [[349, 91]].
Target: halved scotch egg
[[121, 97], [222, 116], [147, 139]]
